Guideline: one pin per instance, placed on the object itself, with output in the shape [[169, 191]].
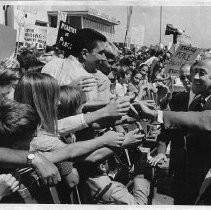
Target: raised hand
[[132, 138], [8, 185], [113, 139], [10, 63], [146, 110], [117, 107], [46, 170], [85, 83], [158, 159]]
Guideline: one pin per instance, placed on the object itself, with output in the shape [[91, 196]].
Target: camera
[[171, 30]]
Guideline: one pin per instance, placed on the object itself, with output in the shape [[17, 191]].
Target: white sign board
[[184, 39], [137, 35], [51, 36], [36, 36], [7, 41], [184, 54]]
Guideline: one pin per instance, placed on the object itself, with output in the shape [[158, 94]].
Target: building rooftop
[[93, 14]]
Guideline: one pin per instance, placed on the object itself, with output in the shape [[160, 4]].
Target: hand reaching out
[[8, 185], [158, 159], [113, 139], [132, 138], [146, 109], [117, 107], [46, 169], [85, 83]]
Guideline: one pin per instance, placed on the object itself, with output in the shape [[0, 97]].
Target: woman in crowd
[[119, 85], [41, 91]]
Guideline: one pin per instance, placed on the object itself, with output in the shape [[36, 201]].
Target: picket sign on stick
[[65, 37], [184, 54], [7, 41], [35, 35]]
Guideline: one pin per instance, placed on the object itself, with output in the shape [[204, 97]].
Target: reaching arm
[[115, 108], [188, 120], [132, 138], [18, 158], [80, 149], [99, 155], [12, 157]]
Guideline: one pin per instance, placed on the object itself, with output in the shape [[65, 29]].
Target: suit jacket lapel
[[207, 105], [195, 104]]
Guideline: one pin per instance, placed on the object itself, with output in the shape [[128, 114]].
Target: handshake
[[131, 139]]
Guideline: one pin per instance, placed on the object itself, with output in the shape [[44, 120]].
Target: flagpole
[[129, 14], [160, 22], [126, 27]]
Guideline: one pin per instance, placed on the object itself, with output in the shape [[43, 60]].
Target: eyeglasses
[[185, 76]]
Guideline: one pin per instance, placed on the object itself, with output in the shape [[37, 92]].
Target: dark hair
[[120, 74], [18, 122], [71, 99], [41, 91], [26, 59], [142, 65], [134, 72], [55, 49], [126, 61], [7, 76], [152, 52], [86, 38]]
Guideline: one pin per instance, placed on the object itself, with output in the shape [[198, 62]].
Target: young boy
[[18, 123]]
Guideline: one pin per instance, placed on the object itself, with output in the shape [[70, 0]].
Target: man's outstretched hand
[[133, 138], [146, 110]]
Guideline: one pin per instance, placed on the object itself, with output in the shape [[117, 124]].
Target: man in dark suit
[[178, 102], [197, 124]]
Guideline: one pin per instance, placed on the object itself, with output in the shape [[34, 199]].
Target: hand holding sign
[[184, 54]]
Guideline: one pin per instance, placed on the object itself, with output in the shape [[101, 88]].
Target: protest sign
[[65, 36], [7, 41], [184, 54], [137, 35], [51, 36], [35, 35]]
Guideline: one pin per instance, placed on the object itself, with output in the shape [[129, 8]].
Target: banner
[[7, 41], [62, 16], [36, 36], [65, 36], [184, 54], [137, 35], [184, 39], [51, 36]]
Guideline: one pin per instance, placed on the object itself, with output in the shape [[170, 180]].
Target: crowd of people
[[72, 124]]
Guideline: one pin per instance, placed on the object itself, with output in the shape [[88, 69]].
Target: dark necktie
[[202, 103], [195, 104]]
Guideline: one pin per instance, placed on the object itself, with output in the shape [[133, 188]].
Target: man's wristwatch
[[30, 158]]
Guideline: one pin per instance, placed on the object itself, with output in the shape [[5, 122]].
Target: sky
[[195, 20]]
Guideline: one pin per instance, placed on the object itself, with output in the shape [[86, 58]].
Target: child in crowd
[[18, 123], [71, 100], [8, 80]]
